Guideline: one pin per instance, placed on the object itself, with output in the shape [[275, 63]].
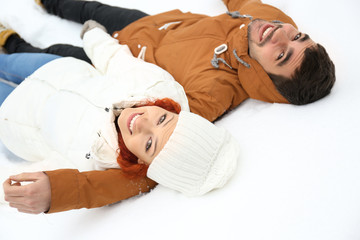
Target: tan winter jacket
[[183, 44]]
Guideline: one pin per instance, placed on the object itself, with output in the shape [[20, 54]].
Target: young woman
[[70, 112], [74, 88]]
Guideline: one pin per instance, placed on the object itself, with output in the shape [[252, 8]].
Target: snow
[[298, 177]]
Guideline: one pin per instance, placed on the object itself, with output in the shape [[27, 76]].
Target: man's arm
[[257, 9], [235, 5], [29, 198], [71, 189]]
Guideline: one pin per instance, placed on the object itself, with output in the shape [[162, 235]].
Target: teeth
[[132, 122], [266, 32]]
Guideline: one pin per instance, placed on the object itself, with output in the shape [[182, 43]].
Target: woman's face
[[146, 130]]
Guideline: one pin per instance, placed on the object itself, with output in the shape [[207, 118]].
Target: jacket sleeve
[[71, 189], [207, 106], [101, 48], [235, 5], [257, 9], [213, 93]]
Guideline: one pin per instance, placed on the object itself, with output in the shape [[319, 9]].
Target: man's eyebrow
[[304, 38], [288, 56], [291, 51]]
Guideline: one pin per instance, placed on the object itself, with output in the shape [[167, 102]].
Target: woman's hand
[[34, 197]]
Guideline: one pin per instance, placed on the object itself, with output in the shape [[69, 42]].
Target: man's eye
[[148, 144], [280, 56], [297, 36], [162, 119]]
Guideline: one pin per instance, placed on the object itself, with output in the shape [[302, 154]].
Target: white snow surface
[[299, 174]]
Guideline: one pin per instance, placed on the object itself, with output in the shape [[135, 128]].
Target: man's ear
[[141, 161]]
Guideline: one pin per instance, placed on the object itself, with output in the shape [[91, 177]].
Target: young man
[[220, 61]]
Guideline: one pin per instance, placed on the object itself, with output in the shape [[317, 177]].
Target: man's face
[[279, 48]]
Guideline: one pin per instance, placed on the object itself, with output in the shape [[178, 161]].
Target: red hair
[[126, 159]]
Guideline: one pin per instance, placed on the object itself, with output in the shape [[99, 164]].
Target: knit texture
[[197, 158]]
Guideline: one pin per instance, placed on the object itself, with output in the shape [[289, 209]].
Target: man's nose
[[279, 37]]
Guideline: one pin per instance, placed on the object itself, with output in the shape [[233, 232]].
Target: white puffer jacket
[[63, 110]]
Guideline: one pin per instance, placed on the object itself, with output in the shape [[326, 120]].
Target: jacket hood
[[255, 81]]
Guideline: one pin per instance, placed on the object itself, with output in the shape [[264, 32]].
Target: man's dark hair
[[312, 81]]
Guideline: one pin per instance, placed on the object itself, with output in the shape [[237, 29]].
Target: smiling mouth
[[265, 31], [131, 121]]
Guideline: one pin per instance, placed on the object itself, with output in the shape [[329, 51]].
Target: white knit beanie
[[197, 158]]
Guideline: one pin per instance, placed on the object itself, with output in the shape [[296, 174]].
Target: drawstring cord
[[240, 60], [236, 14], [215, 61], [223, 47]]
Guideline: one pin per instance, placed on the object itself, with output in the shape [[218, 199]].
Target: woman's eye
[[297, 36], [162, 119], [148, 144], [280, 56]]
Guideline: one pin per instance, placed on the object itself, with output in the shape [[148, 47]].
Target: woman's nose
[[143, 124]]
